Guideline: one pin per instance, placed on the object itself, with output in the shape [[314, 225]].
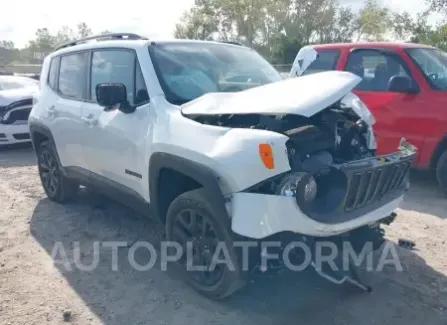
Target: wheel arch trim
[[37, 128], [202, 174]]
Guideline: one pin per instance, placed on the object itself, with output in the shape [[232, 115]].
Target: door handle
[[90, 119]]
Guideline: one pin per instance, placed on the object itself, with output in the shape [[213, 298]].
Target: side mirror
[[111, 95], [402, 84]]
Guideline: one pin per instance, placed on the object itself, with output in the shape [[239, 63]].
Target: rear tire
[[192, 218], [57, 187], [441, 172]]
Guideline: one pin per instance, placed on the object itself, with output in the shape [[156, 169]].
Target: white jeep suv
[[208, 137]]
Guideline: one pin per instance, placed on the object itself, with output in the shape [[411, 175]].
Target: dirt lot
[[35, 290]]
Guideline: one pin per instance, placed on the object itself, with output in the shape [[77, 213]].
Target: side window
[[72, 75], [52, 73], [375, 68], [326, 60], [118, 66]]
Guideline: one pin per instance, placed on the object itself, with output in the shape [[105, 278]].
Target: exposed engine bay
[[334, 135]]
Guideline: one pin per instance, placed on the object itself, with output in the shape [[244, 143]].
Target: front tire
[[57, 187], [441, 172], [192, 218]]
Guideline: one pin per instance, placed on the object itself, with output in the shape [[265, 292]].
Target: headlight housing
[[302, 186]]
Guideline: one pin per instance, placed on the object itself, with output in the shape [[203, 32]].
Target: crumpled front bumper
[[374, 188], [260, 215]]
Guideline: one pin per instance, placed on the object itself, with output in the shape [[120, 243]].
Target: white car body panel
[[230, 152], [258, 216], [302, 61], [63, 117], [122, 141], [302, 96]]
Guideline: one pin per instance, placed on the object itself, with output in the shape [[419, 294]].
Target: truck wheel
[[192, 221], [57, 187], [441, 172]]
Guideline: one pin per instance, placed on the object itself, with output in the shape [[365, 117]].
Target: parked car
[[16, 100], [156, 128], [404, 85]]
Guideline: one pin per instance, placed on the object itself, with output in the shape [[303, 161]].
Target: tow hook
[[389, 220]]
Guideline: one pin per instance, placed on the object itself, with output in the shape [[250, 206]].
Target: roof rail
[[231, 42], [108, 36]]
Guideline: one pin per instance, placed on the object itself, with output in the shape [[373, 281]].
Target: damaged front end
[[335, 182]]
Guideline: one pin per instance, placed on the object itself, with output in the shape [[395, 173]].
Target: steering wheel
[[433, 76]]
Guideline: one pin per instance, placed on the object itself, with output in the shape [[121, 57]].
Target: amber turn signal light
[[266, 154]]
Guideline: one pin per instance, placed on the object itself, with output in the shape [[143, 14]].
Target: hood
[[303, 96], [303, 59], [13, 95]]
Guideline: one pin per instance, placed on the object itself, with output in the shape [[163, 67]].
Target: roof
[[385, 45], [122, 40]]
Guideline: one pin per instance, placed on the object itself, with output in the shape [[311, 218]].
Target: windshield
[[433, 65], [189, 70]]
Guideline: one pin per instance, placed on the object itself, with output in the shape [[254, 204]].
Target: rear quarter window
[[53, 72], [72, 76], [326, 60]]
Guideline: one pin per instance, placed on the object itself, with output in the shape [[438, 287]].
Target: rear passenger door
[[64, 100], [117, 141]]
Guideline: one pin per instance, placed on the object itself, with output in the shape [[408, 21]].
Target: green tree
[[83, 30], [438, 5], [418, 30], [274, 27], [403, 26], [64, 35], [8, 52], [202, 21], [373, 21], [42, 45]]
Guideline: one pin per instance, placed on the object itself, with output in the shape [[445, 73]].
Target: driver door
[[116, 147], [397, 114]]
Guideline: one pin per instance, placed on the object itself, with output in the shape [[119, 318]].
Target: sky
[[151, 18]]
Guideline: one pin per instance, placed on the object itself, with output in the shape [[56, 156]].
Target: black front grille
[[21, 136], [2, 136], [368, 186]]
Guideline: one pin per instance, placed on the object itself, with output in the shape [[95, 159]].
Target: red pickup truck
[[405, 87]]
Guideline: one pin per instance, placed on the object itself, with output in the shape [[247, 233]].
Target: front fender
[[231, 153], [233, 156]]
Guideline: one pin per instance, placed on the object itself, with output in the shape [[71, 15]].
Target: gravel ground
[[36, 290]]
